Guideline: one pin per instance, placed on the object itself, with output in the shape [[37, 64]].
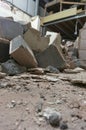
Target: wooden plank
[[73, 3], [60, 15]]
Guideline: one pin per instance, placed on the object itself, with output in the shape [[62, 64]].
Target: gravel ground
[[23, 99]]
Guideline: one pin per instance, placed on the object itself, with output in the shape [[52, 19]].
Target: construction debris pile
[[23, 47]]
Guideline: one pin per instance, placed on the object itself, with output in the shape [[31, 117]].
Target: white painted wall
[[25, 5]]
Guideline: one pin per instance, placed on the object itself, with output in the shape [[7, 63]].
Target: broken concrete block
[[82, 45], [82, 54], [51, 57], [55, 38], [37, 71], [12, 68], [35, 23], [4, 50], [21, 52], [9, 29], [35, 41]]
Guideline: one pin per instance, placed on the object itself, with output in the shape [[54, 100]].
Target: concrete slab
[[35, 41], [22, 53], [51, 56], [9, 29]]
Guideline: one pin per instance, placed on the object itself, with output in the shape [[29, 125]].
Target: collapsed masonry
[[24, 44], [28, 48]]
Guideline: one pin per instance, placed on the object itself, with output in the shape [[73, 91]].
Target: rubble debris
[[38, 71], [76, 70], [79, 79], [12, 104], [4, 49], [55, 38], [63, 125], [51, 69], [82, 45], [12, 68], [22, 53], [52, 116], [35, 22], [2, 75], [37, 43], [51, 57], [10, 29], [39, 106]]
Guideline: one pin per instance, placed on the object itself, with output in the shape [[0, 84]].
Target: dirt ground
[[23, 96]]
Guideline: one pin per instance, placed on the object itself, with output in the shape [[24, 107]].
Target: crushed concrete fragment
[[63, 126], [76, 70], [38, 71], [51, 69], [12, 68], [52, 116], [2, 75]]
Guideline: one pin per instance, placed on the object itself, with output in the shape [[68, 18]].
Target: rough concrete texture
[[12, 68], [21, 52], [76, 43], [55, 38], [82, 45], [9, 29], [35, 41], [51, 56], [4, 50]]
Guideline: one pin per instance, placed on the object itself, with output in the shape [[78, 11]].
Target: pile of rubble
[[23, 48], [24, 45]]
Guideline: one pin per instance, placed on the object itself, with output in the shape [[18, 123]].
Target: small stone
[[63, 126], [54, 119], [18, 88], [52, 116], [39, 106], [3, 85]]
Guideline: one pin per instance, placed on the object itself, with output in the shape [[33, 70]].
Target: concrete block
[[35, 41], [51, 57], [55, 38], [82, 54], [82, 45], [22, 53], [9, 29], [4, 50], [35, 22], [82, 33]]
